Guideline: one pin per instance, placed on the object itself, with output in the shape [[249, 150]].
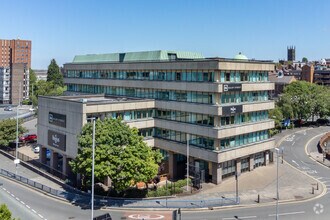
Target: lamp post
[[93, 159], [277, 194], [187, 162], [16, 161]]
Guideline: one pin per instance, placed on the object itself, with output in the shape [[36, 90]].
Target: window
[[227, 77], [178, 76]]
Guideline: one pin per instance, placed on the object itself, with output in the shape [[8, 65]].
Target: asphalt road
[[28, 204], [294, 153], [12, 114]]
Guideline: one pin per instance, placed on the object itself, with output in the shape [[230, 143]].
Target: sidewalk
[[8, 164], [293, 185]]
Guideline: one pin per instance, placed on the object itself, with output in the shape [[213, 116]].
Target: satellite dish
[[280, 74]]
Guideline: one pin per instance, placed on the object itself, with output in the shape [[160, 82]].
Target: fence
[[83, 198]]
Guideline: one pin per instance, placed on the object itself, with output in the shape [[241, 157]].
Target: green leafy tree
[[120, 154], [5, 213], [54, 74], [276, 115], [304, 60], [46, 88], [8, 131], [32, 79]]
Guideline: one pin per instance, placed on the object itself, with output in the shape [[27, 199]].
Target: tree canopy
[[8, 131], [120, 154], [304, 60], [54, 74], [5, 213], [302, 99]]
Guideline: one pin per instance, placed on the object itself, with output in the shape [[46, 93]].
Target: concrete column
[[238, 166], [43, 155], [53, 160], [216, 173], [172, 165], [217, 144], [217, 100], [266, 158], [251, 164], [216, 121]]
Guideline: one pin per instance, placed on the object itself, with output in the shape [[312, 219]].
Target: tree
[[5, 213], [47, 88], [304, 60], [32, 78], [8, 131], [120, 155], [54, 74], [276, 114]]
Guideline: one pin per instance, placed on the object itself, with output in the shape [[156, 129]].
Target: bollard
[[313, 190], [317, 186], [258, 200]]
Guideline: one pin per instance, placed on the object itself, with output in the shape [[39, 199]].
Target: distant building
[[291, 53], [14, 70], [322, 77], [41, 74], [280, 83], [307, 73]]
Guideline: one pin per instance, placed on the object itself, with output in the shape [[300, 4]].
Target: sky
[[260, 29]]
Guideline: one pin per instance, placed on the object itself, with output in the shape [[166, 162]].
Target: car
[[8, 108], [28, 138], [323, 121], [36, 149]]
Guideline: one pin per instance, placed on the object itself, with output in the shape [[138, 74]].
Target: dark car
[[28, 138], [323, 121], [8, 108]]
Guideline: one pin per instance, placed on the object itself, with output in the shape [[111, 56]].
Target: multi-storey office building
[[220, 104], [15, 60]]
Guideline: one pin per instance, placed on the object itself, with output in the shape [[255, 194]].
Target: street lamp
[[16, 161], [93, 159], [277, 194]]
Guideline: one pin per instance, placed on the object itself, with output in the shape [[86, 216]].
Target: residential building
[[219, 105], [15, 62], [307, 73], [41, 74], [280, 83]]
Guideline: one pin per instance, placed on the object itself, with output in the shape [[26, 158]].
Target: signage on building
[[232, 87], [229, 110], [57, 119], [57, 140]]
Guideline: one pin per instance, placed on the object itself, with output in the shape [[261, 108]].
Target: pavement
[[314, 153], [293, 184]]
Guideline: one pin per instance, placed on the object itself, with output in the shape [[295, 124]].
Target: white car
[[36, 149]]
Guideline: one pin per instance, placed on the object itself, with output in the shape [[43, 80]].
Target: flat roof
[[97, 99]]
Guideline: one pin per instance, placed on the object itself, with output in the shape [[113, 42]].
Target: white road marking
[[22, 202], [12, 195], [243, 217], [295, 163], [27, 206], [293, 143], [287, 213], [33, 211], [40, 216], [17, 198], [4, 189]]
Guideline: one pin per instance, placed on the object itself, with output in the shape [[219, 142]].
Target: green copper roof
[[240, 56], [157, 55]]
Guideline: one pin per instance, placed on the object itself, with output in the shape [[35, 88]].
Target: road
[[12, 114], [28, 204], [294, 154]]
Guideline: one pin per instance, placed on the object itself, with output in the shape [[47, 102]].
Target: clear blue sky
[[261, 29]]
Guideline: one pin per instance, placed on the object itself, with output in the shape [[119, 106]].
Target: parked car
[[36, 149], [28, 138], [323, 121], [8, 108]]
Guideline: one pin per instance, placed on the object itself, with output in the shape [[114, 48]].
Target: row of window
[[196, 140], [172, 95], [185, 76], [244, 139], [234, 76], [244, 118], [188, 117], [238, 97]]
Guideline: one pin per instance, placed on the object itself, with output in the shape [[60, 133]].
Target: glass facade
[[183, 76], [244, 118], [239, 97], [168, 75], [170, 95], [244, 139], [187, 117]]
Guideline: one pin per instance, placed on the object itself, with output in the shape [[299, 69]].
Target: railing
[[79, 197]]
